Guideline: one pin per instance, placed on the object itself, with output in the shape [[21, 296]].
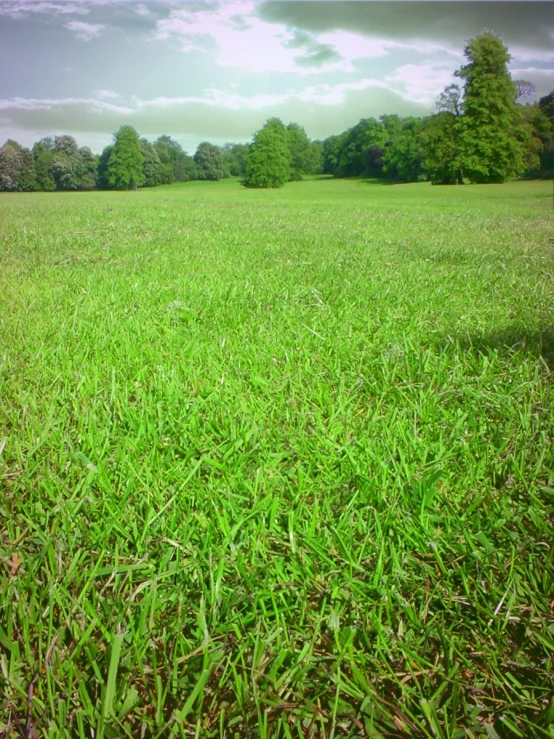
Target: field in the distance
[[277, 464]]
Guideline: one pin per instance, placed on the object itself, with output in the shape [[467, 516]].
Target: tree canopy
[[268, 162], [125, 165]]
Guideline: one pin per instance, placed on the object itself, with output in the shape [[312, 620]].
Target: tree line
[[484, 129]]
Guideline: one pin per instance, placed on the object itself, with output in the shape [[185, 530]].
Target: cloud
[[218, 115], [85, 31], [106, 95], [241, 40], [22, 8], [421, 83], [530, 25]]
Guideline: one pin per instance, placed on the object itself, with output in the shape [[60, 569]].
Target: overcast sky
[[217, 70]]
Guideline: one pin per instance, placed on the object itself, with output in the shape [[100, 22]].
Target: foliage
[[234, 159], [17, 168], [177, 166], [493, 131], [276, 460], [151, 168], [208, 159], [439, 138], [125, 165], [404, 155], [268, 162], [300, 151], [331, 153], [366, 136]]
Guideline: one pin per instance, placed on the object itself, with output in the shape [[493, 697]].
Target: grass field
[[277, 464]]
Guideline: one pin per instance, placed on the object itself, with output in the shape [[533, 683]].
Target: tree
[[43, 154], [450, 100], [17, 168], [439, 140], [268, 159], [66, 163], [525, 91], [493, 131], [151, 169], [332, 151], [313, 163], [234, 159], [102, 170], [177, 166], [354, 158], [87, 169], [404, 154], [299, 147], [126, 161], [209, 162]]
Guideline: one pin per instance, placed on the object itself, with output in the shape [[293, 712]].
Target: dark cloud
[[528, 24], [316, 54]]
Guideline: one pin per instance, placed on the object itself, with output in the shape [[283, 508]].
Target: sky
[[216, 71]]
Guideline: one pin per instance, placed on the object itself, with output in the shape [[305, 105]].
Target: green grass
[[277, 464]]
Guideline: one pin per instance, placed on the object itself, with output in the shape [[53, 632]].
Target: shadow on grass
[[510, 341]]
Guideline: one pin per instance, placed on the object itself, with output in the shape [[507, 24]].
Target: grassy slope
[[277, 461]]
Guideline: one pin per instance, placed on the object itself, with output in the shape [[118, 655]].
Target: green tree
[[125, 165], [268, 159], [177, 166], [17, 168], [493, 131], [332, 151], [102, 170], [299, 147], [313, 163], [441, 149], [546, 105], [43, 154], [209, 162], [234, 159], [66, 163], [87, 169], [151, 168], [403, 155], [367, 135]]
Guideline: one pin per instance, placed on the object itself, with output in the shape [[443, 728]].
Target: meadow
[[277, 463]]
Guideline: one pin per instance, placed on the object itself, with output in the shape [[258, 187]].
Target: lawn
[[277, 463]]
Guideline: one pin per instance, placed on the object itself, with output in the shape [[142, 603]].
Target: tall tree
[[525, 92], [332, 152], [87, 170], [17, 168], [209, 162], [234, 159], [126, 160], [299, 147], [403, 156], [441, 158], [493, 133], [43, 153], [66, 163], [151, 168], [177, 166], [354, 159], [268, 159]]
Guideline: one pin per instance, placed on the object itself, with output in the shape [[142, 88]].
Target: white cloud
[[22, 8], [520, 54], [85, 31], [106, 94], [420, 83], [217, 115], [242, 40]]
